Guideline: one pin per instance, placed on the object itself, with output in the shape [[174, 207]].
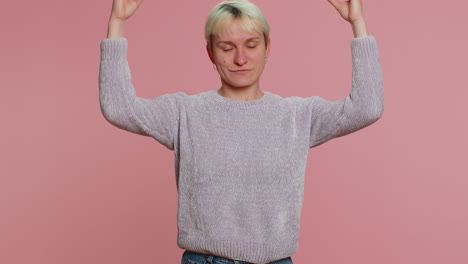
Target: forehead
[[234, 32]]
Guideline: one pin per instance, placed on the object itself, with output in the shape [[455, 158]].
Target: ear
[[267, 52], [209, 53]]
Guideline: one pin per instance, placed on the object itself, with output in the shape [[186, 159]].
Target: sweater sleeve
[[156, 118], [362, 107]]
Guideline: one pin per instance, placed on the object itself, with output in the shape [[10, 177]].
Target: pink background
[[75, 189]]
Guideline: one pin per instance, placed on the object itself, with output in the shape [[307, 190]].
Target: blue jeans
[[191, 257]]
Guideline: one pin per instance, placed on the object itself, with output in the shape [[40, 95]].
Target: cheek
[[224, 61]]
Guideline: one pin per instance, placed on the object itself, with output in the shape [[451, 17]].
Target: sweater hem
[[252, 252]]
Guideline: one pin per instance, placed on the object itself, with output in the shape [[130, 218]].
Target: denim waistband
[[213, 259]]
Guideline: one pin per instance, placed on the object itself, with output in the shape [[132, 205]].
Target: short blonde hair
[[251, 17]]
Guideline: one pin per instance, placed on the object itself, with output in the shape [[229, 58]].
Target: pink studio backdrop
[[74, 189]]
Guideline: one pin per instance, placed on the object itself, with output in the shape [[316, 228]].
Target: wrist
[[359, 28], [115, 28], [116, 20]]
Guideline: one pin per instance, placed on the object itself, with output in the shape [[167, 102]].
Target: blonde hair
[[250, 16]]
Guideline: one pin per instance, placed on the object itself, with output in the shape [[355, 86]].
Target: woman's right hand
[[123, 9]]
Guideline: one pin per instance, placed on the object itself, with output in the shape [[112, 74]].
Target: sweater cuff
[[364, 46], [114, 48]]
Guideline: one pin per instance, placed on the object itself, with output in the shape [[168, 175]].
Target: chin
[[241, 85]]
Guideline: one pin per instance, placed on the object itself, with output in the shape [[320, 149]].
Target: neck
[[249, 93]]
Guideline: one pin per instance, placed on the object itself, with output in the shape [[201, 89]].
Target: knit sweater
[[240, 165]]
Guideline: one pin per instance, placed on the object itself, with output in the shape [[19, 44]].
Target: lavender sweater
[[240, 165]]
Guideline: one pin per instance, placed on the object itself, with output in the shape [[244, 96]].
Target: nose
[[240, 58]]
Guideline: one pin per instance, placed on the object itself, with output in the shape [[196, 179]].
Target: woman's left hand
[[350, 10]]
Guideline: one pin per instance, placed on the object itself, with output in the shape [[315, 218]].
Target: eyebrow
[[227, 41]]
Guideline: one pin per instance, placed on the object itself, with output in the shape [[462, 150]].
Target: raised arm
[[365, 103], [362, 107], [157, 117]]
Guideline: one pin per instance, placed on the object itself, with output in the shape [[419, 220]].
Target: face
[[239, 56]]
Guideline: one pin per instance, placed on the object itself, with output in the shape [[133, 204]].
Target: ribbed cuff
[[364, 46], [114, 48]]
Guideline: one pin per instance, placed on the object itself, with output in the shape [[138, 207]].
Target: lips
[[242, 70]]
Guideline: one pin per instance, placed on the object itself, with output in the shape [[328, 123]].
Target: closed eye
[[251, 47]]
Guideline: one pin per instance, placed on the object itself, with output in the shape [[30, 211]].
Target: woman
[[240, 152]]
